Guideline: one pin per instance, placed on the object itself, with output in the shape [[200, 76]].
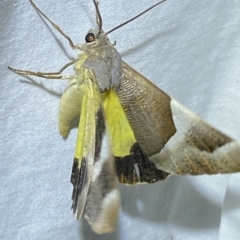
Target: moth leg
[[48, 75], [54, 25]]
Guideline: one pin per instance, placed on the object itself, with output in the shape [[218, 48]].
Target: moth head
[[96, 38]]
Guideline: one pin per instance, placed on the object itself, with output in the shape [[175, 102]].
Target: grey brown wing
[[103, 199], [148, 111], [197, 148], [176, 140]]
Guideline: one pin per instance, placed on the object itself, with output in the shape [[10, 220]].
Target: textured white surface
[[191, 49]]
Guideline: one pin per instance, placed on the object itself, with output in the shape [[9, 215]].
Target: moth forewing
[[85, 146], [197, 148], [94, 173], [133, 165], [185, 143], [103, 200], [148, 110]]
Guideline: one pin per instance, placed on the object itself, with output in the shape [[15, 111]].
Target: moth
[[129, 130]]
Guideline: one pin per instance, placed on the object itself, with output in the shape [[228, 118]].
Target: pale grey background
[[191, 49]]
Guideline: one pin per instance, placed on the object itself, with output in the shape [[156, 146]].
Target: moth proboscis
[[128, 129]]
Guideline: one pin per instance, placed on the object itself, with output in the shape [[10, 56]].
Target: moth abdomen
[[69, 108]]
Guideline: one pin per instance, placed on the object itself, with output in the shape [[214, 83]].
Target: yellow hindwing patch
[[91, 102], [121, 134]]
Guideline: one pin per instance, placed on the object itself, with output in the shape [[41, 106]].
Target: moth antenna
[[140, 14], [53, 24], [98, 16]]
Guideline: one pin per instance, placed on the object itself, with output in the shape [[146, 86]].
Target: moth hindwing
[[128, 129]]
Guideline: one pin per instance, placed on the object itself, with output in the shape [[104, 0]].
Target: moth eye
[[89, 37]]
